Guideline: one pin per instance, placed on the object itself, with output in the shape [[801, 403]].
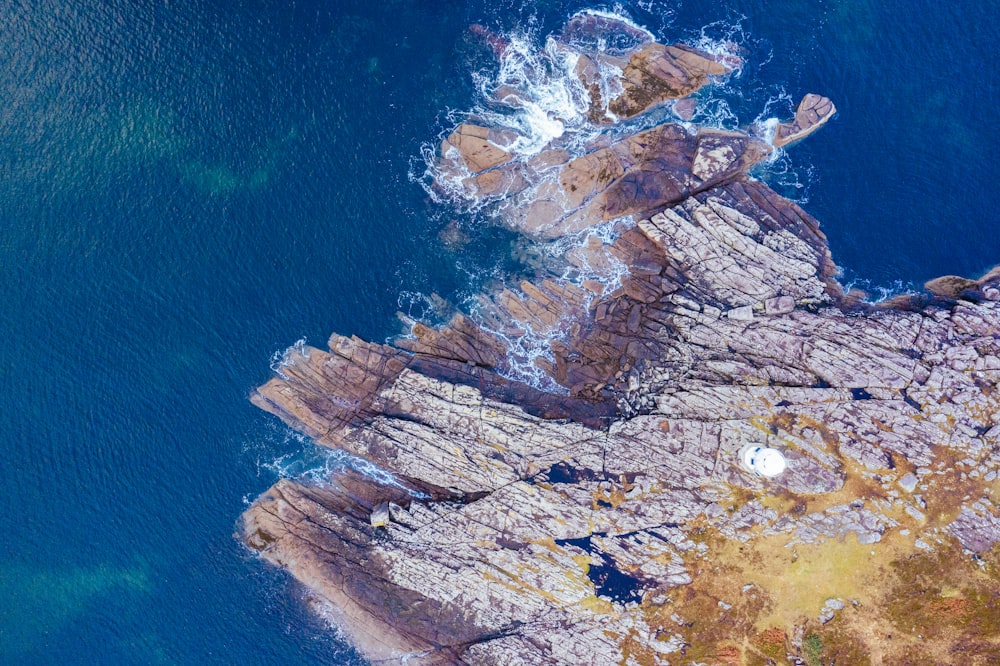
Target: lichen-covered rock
[[539, 504]]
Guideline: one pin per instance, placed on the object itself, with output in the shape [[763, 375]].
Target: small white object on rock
[[909, 482], [763, 461]]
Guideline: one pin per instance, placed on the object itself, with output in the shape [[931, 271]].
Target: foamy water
[[535, 95], [878, 293], [305, 461], [282, 359], [158, 284]]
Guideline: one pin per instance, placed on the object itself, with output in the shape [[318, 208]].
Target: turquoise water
[[187, 188]]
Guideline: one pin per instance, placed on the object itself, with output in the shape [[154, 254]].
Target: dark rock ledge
[[611, 522]]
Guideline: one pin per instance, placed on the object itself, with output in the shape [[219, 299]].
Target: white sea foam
[[877, 293], [524, 351], [766, 123], [617, 14], [610, 271], [779, 170], [528, 345], [418, 306], [725, 40], [311, 463], [282, 359], [536, 95]]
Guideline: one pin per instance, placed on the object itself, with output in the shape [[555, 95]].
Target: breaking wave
[[877, 293], [306, 461], [282, 359]]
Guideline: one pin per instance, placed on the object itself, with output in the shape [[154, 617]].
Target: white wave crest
[[535, 93], [315, 464], [282, 359], [878, 293]]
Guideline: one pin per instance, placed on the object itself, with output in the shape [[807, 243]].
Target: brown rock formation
[[476, 147], [813, 112], [658, 73], [651, 73], [634, 176], [611, 521], [954, 287]]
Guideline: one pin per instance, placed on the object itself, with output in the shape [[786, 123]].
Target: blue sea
[[188, 188]]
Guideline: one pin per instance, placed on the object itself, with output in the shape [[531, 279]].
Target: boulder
[[813, 112], [471, 146], [658, 73]]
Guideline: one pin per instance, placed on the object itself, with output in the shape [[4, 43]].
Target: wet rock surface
[[608, 520]]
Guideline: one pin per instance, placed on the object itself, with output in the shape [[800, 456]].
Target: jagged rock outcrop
[[652, 75], [646, 73], [637, 175], [609, 520], [813, 112]]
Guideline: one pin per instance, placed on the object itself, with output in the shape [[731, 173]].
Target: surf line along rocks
[[611, 521]]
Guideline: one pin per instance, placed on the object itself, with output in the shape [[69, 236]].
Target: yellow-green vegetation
[[759, 602], [812, 649], [908, 607], [903, 604]]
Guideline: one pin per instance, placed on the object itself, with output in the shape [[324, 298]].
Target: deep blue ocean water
[[187, 188]]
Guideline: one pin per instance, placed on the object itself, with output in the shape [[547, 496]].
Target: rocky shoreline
[[609, 520]]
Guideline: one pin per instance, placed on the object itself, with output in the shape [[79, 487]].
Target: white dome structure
[[763, 461]]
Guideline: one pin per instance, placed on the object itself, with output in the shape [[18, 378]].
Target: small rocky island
[[607, 516]]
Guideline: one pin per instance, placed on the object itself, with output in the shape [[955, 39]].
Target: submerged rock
[[608, 519]]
